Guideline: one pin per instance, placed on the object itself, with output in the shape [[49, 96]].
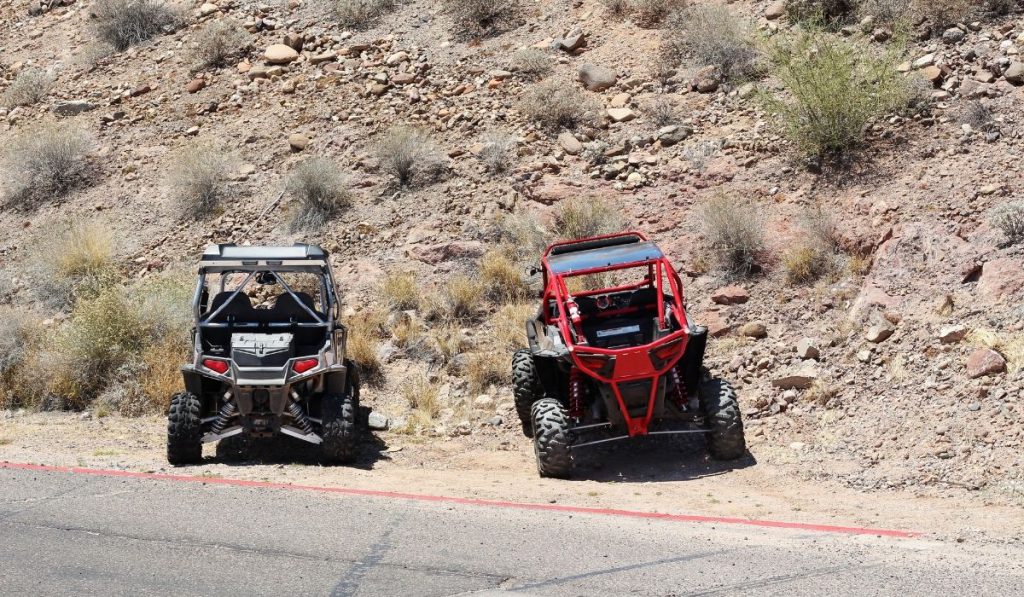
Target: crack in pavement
[[616, 570], [778, 580], [349, 584]]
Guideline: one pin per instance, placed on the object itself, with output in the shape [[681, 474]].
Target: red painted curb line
[[802, 526]]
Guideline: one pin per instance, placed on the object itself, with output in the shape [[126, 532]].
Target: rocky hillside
[[876, 336]]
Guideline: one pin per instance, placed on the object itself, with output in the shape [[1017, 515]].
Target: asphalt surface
[[65, 533]]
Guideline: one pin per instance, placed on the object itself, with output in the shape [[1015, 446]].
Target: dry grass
[[502, 278], [827, 13], [817, 253], [804, 264], [508, 326], [662, 112], [475, 17], [360, 13], [942, 14], [533, 63], [486, 368], [362, 347], [409, 155], [422, 395], [21, 335], [72, 260], [735, 233], [556, 105], [581, 218], [320, 191], [28, 88], [651, 13], [198, 179], [448, 341], [710, 34], [400, 291], [125, 23], [219, 41], [44, 163], [1009, 218], [462, 298], [498, 154], [1008, 344], [524, 234]]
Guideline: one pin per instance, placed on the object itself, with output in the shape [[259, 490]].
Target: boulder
[[800, 378], [754, 329], [297, 142], [569, 143], [280, 54], [951, 334], [596, 78], [878, 333], [1001, 278], [1015, 73], [807, 348], [985, 361], [775, 10], [621, 114], [730, 295]]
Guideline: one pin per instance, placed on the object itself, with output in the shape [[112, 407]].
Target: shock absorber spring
[[224, 415], [575, 393], [679, 388], [299, 415]]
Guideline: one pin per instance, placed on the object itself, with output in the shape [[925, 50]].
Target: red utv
[[613, 355]]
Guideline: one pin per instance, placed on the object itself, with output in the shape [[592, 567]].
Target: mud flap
[[693, 359]]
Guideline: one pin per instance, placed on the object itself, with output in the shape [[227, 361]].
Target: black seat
[[238, 309], [286, 308]]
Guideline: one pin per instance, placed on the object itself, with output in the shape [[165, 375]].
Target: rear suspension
[[299, 415], [229, 410], [575, 393], [679, 389]]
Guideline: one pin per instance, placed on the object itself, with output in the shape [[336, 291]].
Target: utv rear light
[[304, 365], [216, 366], [600, 364], [662, 354]]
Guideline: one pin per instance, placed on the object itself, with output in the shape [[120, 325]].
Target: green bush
[[735, 233], [710, 34], [580, 218], [834, 88]]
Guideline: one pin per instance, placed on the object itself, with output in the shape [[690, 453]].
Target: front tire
[[184, 430], [722, 417], [526, 388], [551, 438], [340, 434]]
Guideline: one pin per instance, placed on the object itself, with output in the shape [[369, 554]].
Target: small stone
[[932, 73], [1015, 73], [864, 356], [572, 42], [807, 349], [672, 134], [195, 85], [775, 10], [403, 79], [321, 58], [73, 108], [923, 61], [754, 329], [208, 9], [297, 142], [596, 78], [569, 143], [620, 101], [800, 379], [953, 35], [951, 334], [985, 361], [280, 54], [377, 421], [483, 401], [878, 333], [730, 295], [621, 114], [397, 58]]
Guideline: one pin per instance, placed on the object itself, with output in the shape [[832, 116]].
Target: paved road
[[64, 533]]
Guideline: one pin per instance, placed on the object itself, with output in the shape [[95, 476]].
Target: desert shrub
[[523, 234], [30, 86], [508, 323], [662, 112], [531, 62], [319, 188], [886, 12], [942, 14], [977, 115], [1009, 218], [447, 341], [498, 153], [487, 367], [198, 178], [125, 23], [73, 260], [461, 298], [400, 291], [44, 162], [580, 218], [710, 34], [616, 8], [422, 395], [409, 155], [650, 13], [219, 41], [21, 335], [360, 13], [502, 278], [829, 13], [835, 89], [362, 347], [481, 16], [555, 105], [734, 231], [805, 263]]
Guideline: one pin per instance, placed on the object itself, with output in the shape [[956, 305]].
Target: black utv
[[274, 367]]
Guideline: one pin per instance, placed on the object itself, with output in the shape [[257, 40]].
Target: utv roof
[[233, 252], [623, 253]]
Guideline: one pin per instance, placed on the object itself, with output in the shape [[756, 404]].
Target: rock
[[775, 10], [195, 85], [864, 356], [747, 89], [707, 79], [716, 324], [754, 329], [985, 361], [800, 379], [457, 249], [321, 58], [397, 58], [879, 333], [1001, 278], [495, 421], [403, 78], [951, 334], [923, 61], [984, 76], [807, 349], [483, 401], [1015, 73], [620, 101], [297, 142], [377, 421], [571, 42], [294, 41], [280, 54], [932, 73], [596, 78], [73, 108], [569, 143], [673, 134], [953, 35], [85, 416], [730, 295], [208, 9], [621, 114]]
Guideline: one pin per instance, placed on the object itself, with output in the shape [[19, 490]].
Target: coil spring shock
[[224, 415], [301, 420], [680, 388], [575, 393]]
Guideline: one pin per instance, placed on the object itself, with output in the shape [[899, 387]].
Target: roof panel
[[231, 252], [604, 257]]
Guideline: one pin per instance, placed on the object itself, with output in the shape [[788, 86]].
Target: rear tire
[[551, 438], [722, 417], [184, 430], [526, 388], [340, 434]]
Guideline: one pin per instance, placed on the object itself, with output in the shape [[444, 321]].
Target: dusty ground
[[652, 476]]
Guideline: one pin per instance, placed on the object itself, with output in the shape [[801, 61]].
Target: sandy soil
[[655, 476]]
